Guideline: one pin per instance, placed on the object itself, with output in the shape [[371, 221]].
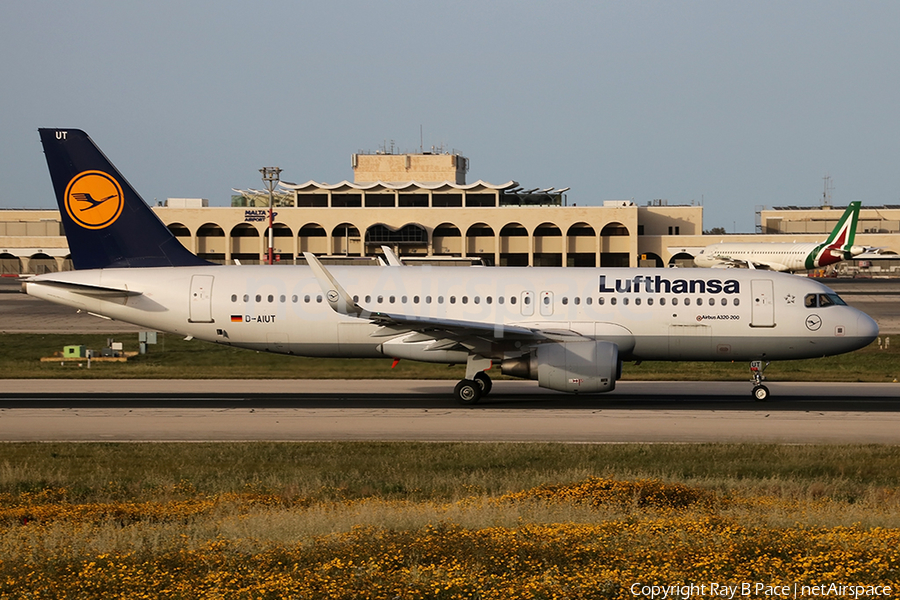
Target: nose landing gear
[[760, 392]]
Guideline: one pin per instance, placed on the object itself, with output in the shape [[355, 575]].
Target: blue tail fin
[[107, 223]]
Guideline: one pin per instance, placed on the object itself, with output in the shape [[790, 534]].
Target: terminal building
[[422, 207]]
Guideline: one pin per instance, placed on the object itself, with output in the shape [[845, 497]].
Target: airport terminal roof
[[385, 186]]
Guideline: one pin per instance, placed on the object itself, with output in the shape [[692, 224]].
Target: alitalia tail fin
[[844, 233], [107, 223]]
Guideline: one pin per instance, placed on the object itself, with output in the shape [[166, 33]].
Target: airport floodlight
[[271, 176]]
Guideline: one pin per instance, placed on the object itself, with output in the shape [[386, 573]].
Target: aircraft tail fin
[[107, 224], [844, 233]]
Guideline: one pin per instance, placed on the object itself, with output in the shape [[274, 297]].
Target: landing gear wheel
[[484, 380], [760, 393], [467, 391]]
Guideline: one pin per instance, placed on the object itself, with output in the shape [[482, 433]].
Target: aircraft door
[[763, 309], [527, 301], [546, 304], [201, 299]]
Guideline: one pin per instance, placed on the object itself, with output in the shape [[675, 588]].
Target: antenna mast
[[826, 193]]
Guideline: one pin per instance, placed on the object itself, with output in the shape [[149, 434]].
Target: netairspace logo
[[757, 590]]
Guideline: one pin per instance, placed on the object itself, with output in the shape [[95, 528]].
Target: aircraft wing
[[474, 335], [740, 263]]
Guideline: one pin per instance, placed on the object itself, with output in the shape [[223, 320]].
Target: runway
[[517, 411]]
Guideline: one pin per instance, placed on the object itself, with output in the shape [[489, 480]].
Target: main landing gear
[[760, 392], [477, 383], [470, 391]]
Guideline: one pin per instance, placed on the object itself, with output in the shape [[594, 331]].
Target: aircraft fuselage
[[650, 314]]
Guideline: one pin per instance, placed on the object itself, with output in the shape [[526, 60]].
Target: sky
[[734, 105]]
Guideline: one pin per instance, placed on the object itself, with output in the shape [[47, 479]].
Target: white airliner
[[568, 328], [787, 256]]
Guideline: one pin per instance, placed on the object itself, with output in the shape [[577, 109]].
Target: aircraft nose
[[866, 328]]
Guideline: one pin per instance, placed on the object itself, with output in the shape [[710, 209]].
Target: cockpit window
[[823, 300]]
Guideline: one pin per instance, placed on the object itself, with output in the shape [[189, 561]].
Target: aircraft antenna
[[826, 193]]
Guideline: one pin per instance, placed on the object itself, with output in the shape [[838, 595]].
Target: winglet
[[337, 297], [392, 259]]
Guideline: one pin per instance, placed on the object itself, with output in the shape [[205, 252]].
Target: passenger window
[[246, 298], [662, 301], [637, 301], [565, 301], [306, 299], [612, 301], [368, 299], [392, 299], [258, 298], [427, 299], [294, 298], [415, 299], [452, 299], [380, 299], [649, 301], [600, 301], [724, 302], [588, 300], [712, 301], [512, 299], [404, 299], [527, 300], [687, 301], [674, 301], [465, 299], [737, 301], [282, 299], [319, 299], [234, 297]]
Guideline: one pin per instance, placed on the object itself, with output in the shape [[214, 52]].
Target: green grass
[[97, 472], [175, 358]]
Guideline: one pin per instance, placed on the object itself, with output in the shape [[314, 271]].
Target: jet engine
[[585, 367]]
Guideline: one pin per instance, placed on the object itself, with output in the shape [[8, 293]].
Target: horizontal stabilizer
[[97, 291]]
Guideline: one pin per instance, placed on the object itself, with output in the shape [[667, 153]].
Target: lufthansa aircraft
[[788, 257], [570, 329]]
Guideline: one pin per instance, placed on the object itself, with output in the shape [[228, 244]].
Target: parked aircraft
[[777, 256], [568, 328]]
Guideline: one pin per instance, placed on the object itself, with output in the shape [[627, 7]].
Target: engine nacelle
[[578, 367]]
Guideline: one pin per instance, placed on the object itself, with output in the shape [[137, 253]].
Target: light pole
[[270, 176]]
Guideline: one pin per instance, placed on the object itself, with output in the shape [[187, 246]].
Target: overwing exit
[[568, 328]]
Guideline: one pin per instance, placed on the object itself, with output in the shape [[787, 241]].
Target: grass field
[[421, 520], [175, 358]]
